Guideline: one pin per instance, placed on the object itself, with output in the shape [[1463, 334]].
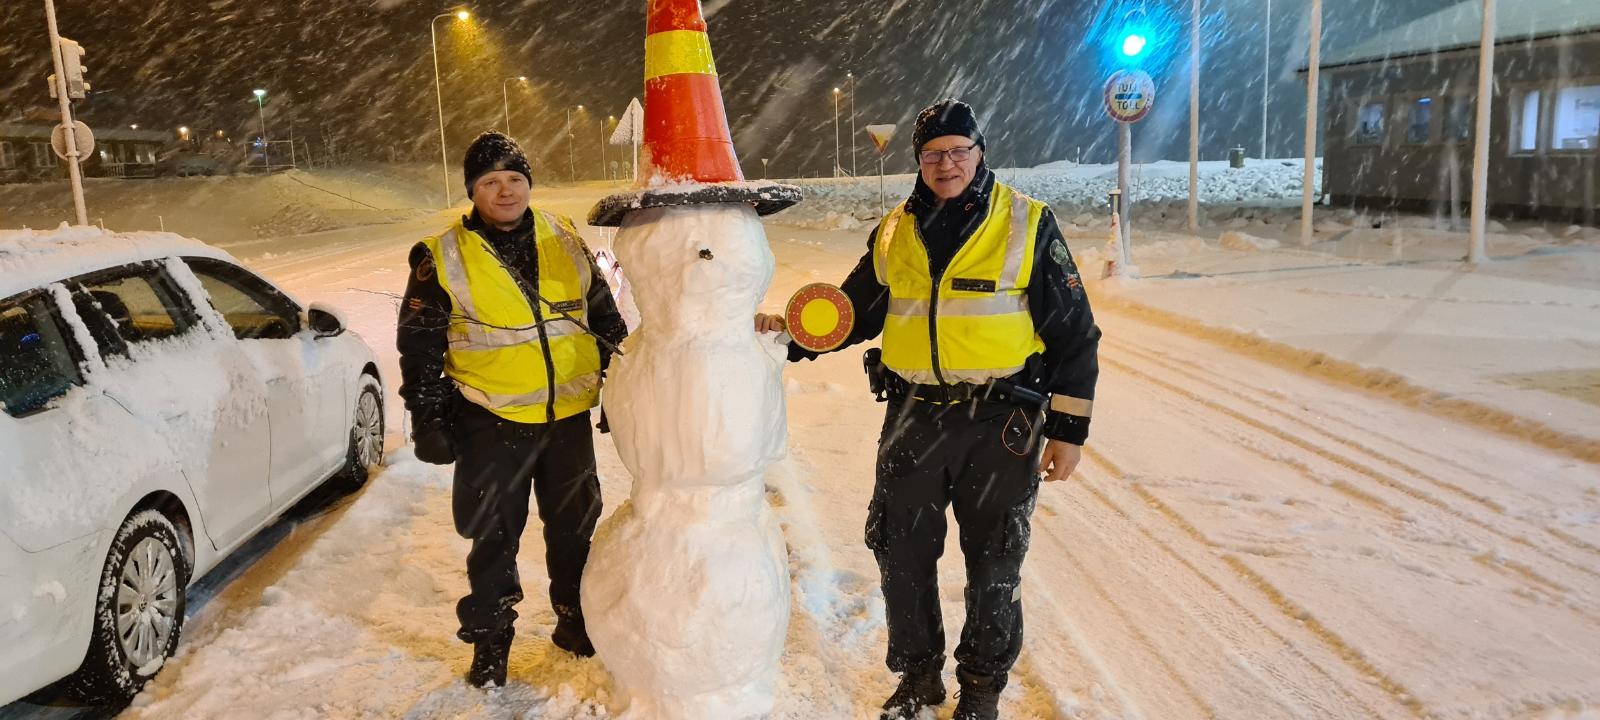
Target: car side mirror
[[324, 320]]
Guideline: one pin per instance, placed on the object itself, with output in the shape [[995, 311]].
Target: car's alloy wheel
[[366, 436], [138, 614]]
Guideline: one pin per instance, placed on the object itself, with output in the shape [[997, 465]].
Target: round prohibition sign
[[820, 317]]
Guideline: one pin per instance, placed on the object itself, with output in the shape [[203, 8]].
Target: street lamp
[[266, 157], [505, 102], [854, 168], [134, 126], [572, 163], [837, 166], [433, 37]]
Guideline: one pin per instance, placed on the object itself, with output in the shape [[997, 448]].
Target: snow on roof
[[1461, 26], [32, 258]]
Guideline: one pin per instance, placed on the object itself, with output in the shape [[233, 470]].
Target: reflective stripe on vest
[[495, 356], [984, 326]]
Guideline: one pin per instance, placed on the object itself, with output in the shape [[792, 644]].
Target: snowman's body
[[686, 592]]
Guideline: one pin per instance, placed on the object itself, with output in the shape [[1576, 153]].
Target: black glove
[[604, 426], [432, 442]]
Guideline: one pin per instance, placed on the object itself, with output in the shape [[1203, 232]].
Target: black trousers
[[497, 463], [981, 457]]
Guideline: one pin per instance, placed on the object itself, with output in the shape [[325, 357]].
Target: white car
[[159, 404]]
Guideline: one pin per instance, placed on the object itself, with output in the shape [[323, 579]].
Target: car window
[[141, 304], [38, 363], [252, 307]]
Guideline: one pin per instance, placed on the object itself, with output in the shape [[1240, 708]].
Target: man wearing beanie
[[988, 366], [500, 370]]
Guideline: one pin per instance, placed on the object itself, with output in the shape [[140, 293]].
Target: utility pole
[[1313, 96], [1266, 78], [70, 128], [1479, 251], [1194, 118]]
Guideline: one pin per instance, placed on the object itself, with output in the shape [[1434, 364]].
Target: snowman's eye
[[705, 254]]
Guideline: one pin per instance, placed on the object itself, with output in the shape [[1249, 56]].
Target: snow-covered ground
[[1249, 536]]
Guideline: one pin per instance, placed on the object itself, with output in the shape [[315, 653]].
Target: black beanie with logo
[[946, 117], [490, 152]]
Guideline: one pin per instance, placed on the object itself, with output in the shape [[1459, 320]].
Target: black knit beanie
[[490, 152], [946, 117]]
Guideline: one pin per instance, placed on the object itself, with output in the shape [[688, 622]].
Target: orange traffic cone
[[686, 133], [687, 142]]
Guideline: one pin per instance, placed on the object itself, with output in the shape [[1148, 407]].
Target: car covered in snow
[[159, 405]]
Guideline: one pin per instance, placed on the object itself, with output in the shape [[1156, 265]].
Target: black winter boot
[[979, 697], [572, 635], [489, 659], [920, 687]]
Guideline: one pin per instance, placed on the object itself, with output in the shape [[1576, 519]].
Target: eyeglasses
[[934, 157]]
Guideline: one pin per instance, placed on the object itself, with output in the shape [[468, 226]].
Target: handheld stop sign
[[819, 317]]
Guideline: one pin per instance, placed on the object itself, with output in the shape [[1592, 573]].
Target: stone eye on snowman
[[686, 592]]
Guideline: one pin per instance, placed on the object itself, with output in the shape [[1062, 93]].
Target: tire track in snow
[[1353, 466], [1294, 614], [1230, 388]]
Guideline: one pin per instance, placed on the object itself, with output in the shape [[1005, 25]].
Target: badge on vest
[[568, 306], [971, 285]]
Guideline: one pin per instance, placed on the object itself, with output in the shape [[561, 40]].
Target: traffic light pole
[[70, 131]]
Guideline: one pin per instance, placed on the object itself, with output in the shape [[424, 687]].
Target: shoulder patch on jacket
[[425, 269], [1059, 253]]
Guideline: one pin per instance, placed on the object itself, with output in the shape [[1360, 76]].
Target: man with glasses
[[988, 344]]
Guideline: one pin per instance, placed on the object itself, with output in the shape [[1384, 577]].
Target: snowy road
[[1240, 542]]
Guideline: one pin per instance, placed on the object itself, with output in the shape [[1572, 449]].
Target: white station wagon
[[159, 404]]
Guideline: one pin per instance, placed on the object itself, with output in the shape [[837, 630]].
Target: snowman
[[686, 591]]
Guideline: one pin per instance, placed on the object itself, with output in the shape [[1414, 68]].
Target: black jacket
[[1069, 365], [425, 316]]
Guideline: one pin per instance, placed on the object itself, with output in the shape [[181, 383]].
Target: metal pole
[[855, 169], [444, 156], [572, 162], [266, 147], [882, 211], [605, 172], [837, 165], [1125, 159], [1266, 78], [71, 132], [1313, 96], [1194, 118], [505, 105], [1480, 156]]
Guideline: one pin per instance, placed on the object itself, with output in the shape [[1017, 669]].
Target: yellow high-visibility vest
[[494, 355], [974, 325]]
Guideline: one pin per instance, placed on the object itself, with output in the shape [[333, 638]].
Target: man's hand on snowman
[[1060, 459], [770, 323]]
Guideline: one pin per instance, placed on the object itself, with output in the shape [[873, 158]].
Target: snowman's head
[[696, 264]]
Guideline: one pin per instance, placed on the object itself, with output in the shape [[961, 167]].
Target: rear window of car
[[131, 306], [38, 363]]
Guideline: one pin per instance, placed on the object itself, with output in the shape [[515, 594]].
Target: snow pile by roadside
[[1076, 192]]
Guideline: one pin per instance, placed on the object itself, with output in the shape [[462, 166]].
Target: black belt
[[999, 390]]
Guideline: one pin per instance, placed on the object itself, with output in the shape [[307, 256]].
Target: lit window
[[1577, 125], [1369, 124], [1420, 130], [1528, 122]]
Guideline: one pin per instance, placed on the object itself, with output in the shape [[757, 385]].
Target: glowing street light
[[134, 126], [433, 37], [505, 102], [837, 166], [854, 168], [266, 157], [1133, 45]]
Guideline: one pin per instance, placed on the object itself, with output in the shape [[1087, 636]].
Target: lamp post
[[266, 155], [505, 100], [854, 168], [604, 128], [837, 166], [572, 162], [433, 37]]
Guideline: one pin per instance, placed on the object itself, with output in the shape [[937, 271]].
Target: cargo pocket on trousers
[[1011, 539], [877, 533]]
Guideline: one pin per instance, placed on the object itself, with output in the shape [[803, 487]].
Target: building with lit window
[[1401, 112], [25, 154]]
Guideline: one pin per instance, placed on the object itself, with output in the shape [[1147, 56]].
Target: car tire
[[145, 575], [366, 436]]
